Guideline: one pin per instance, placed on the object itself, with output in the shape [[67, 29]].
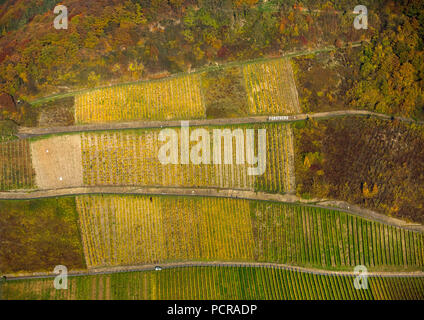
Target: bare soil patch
[[57, 162]]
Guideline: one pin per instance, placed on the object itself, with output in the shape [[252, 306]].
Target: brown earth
[[57, 162]]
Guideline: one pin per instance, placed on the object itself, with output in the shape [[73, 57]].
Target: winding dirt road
[[289, 54], [150, 267], [214, 192], [25, 132], [210, 192]]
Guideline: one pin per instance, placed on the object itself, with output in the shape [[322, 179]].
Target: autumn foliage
[[374, 163]]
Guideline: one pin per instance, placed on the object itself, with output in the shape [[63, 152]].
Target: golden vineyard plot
[[259, 88], [175, 98], [131, 158], [134, 230], [16, 170], [271, 87]]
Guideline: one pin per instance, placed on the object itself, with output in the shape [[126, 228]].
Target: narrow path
[[293, 54], [25, 132], [150, 267], [214, 192]]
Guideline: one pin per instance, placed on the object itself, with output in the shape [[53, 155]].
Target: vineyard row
[[216, 283], [269, 86], [16, 171], [131, 158], [131, 230]]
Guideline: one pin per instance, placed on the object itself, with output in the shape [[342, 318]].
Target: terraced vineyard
[[186, 150], [217, 283], [16, 171], [127, 230], [131, 158], [271, 87], [332, 239], [279, 175], [132, 230], [268, 88], [174, 98]]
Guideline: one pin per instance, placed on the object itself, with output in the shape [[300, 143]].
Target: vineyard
[[127, 230], [271, 87], [174, 98], [125, 158], [240, 150], [332, 239], [16, 171], [255, 283], [141, 230], [279, 174], [131, 158], [250, 89]]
